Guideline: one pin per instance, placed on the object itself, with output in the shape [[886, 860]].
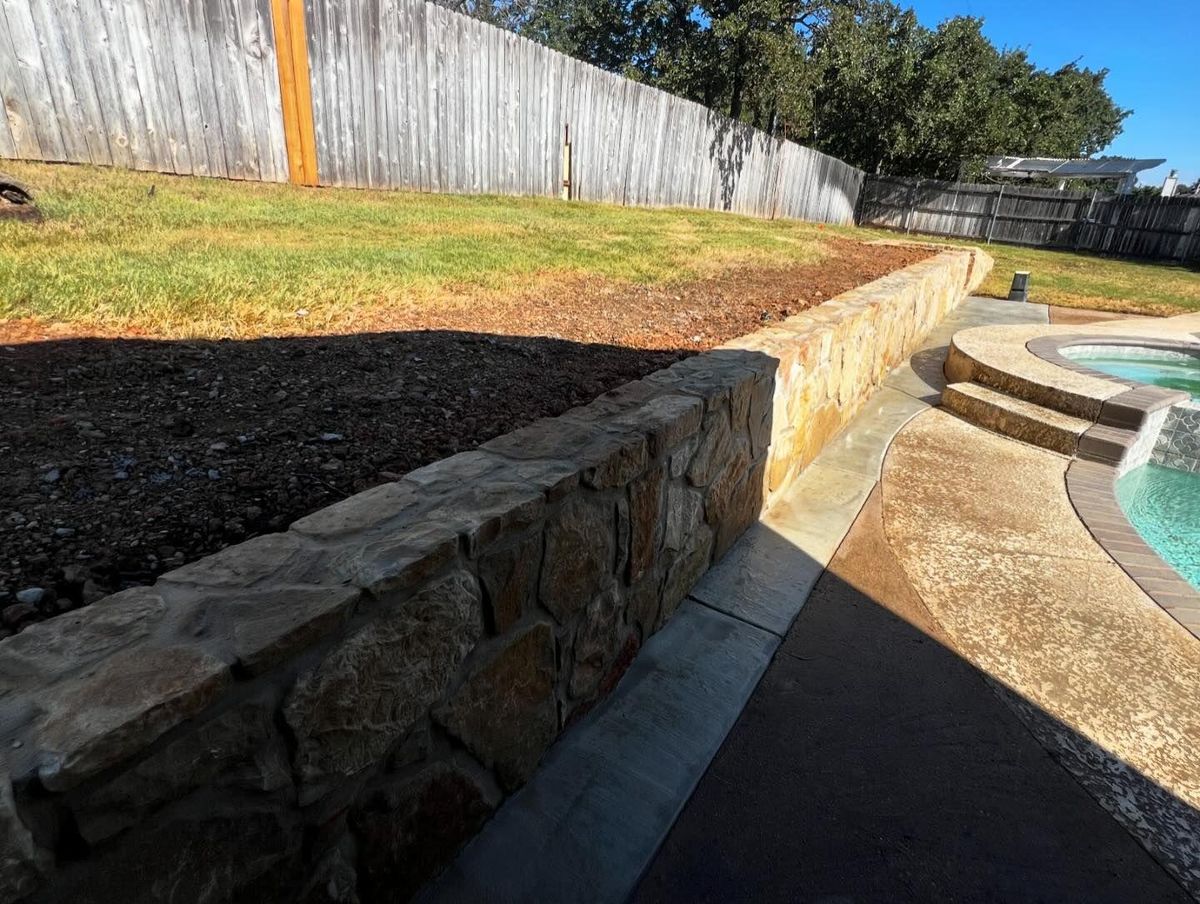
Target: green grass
[[203, 257], [1087, 280], [207, 257]]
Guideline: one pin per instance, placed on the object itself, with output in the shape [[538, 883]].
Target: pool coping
[[1091, 477]]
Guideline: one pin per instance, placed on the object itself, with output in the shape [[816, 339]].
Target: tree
[[862, 80]]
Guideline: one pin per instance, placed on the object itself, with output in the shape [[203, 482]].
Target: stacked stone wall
[[327, 714]]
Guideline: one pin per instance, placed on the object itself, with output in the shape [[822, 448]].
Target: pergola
[[1123, 170]]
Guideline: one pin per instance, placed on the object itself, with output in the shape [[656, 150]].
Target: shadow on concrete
[[874, 763]]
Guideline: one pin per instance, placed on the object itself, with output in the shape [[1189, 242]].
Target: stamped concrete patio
[[961, 698]]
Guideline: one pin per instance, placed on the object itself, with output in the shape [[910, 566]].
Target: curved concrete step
[[1018, 418], [996, 357]]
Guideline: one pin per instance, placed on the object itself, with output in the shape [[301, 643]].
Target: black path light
[[1020, 286]]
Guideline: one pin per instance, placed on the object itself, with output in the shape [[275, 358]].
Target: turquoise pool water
[[1164, 505], [1171, 374]]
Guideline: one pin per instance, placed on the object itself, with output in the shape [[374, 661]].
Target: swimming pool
[[1158, 367], [1164, 506]]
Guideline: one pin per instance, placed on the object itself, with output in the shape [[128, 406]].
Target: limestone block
[[602, 455], [52, 650], [365, 694], [733, 500], [482, 510], [691, 562], [716, 448], [395, 564], [667, 421], [274, 558], [506, 712], [580, 554], [646, 520], [645, 602], [685, 512], [597, 643], [22, 862], [269, 627], [238, 749], [509, 576], [682, 456], [361, 513], [119, 707], [245, 853], [407, 831]]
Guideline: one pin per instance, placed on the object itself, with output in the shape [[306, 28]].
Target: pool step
[[1027, 421]]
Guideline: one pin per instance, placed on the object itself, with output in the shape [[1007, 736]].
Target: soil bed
[[124, 458]]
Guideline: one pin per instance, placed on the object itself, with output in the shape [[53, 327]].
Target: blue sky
[[1152, 49]]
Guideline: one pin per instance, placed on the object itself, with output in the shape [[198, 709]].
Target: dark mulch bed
[[126, 458]]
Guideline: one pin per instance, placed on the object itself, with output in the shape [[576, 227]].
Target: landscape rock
[[580, 552], [366, 693], [31, 596], [18, 614], [506, 712]]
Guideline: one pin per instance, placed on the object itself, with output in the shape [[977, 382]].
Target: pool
[[1158, 367], [1164, 506]]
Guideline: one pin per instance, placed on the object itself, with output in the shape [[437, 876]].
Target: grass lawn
[[209, 257], [1086, 280], [174, 256]]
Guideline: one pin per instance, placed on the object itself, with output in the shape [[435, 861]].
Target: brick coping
[[1103, 455]]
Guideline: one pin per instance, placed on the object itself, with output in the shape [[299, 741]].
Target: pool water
[[1182, 374], [1164, 505]]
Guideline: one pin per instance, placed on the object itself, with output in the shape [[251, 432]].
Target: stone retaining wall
[[333, 711]]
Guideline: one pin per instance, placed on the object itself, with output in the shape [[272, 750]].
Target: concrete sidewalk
[[872, 763]]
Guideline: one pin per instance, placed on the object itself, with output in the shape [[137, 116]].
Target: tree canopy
[[862, 80]]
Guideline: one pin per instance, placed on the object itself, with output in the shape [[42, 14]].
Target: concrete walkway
[[872, 763], [875, 764]]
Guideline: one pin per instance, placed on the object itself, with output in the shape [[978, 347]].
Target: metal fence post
[[995, 211]]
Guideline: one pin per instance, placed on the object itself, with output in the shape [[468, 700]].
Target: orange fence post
[[291, 55]]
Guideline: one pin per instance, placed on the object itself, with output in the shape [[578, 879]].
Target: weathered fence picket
[[376, 94], [1154, 228]]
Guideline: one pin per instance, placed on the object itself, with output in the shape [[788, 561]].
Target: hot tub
[[1168, 368]]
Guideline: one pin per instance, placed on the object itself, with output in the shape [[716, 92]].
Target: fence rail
[[1153, 228], [376, 94]]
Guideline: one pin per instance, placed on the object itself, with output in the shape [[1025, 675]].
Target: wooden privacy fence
[[1154, 228], [376, 94]]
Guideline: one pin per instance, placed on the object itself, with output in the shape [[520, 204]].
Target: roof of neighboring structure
[[1040, 167]]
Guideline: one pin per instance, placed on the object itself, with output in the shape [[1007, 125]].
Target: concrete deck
[[875, 761], [874, 764]]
